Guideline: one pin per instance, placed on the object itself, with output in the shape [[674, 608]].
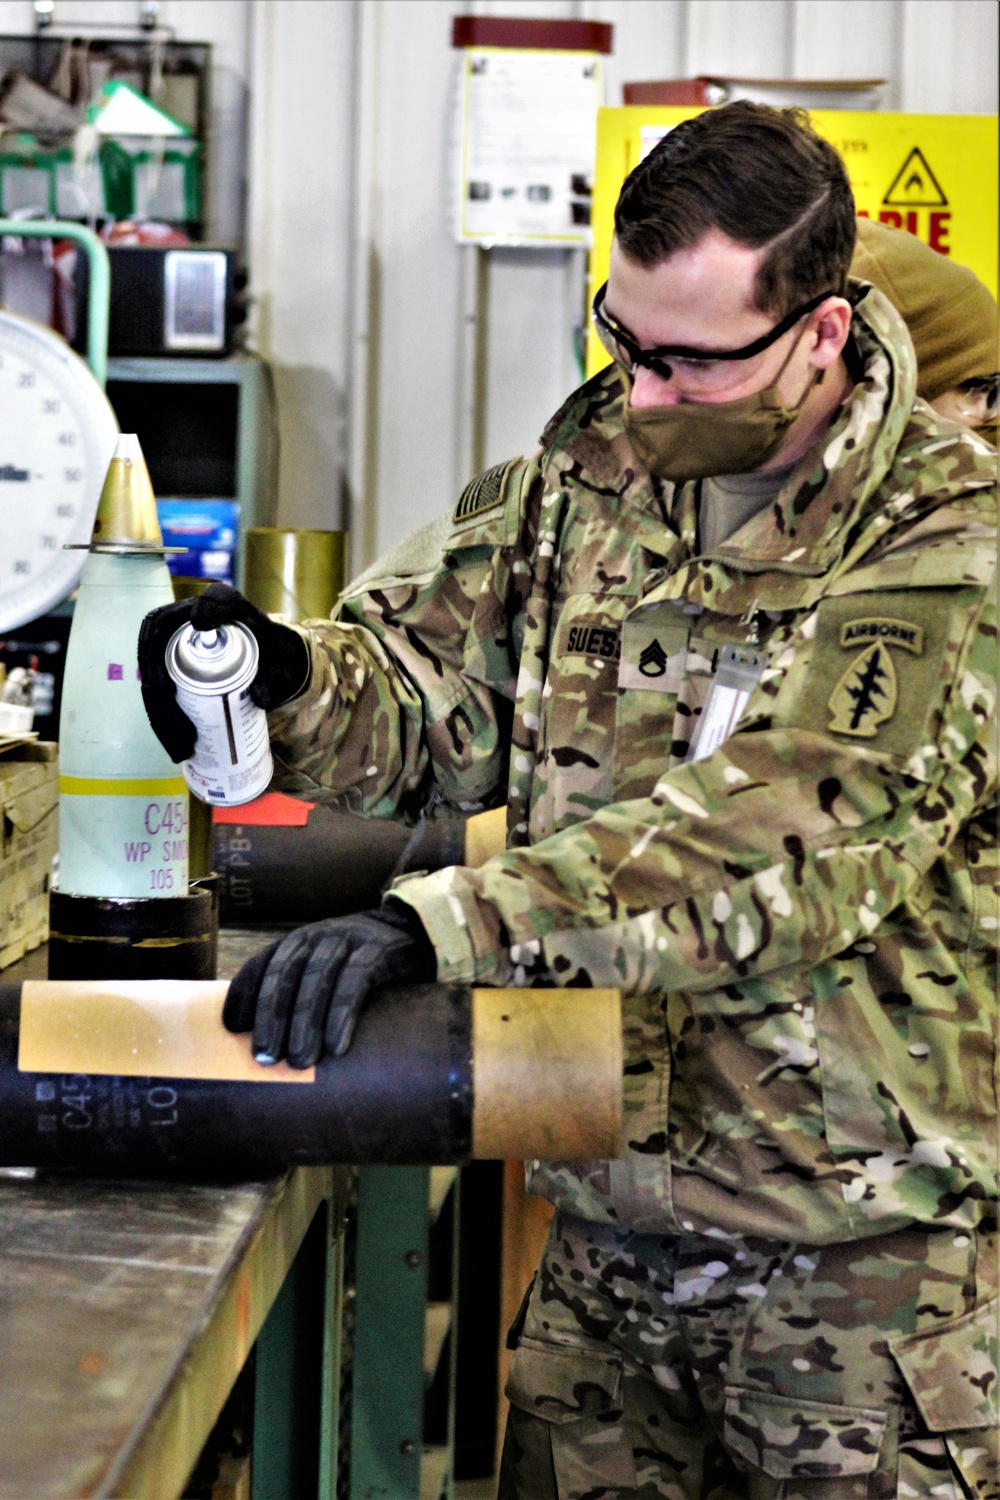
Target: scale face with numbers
[[57, 435]]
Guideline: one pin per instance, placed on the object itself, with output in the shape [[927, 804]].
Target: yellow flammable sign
[[934, 175]]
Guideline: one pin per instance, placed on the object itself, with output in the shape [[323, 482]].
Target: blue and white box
[[207, 530]]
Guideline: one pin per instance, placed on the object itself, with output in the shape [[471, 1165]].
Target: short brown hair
[[760, 175]]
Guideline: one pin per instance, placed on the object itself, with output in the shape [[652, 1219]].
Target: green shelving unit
[[402, 1399]]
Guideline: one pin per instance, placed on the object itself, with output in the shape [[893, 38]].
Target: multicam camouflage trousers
[[695, 1368]]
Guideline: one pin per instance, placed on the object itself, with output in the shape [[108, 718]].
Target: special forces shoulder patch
[[878, 667], [483, 492], [866, 694], [868, 690]]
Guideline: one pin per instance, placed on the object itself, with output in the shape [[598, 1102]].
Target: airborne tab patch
[[877, 628], [483, 492]]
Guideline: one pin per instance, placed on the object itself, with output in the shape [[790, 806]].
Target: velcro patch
[[887, 691], [654, 656], [879, 628], [593, 640], [483, 492]]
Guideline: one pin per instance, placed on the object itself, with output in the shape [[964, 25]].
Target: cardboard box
[[208, 529], [29, 838]]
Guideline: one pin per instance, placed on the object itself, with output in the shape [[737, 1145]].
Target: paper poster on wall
[[932, 175], [524, 145]]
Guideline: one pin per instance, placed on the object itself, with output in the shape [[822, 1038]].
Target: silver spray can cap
[[212, 661]]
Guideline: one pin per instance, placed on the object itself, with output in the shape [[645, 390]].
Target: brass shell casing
[[297, 574], [186, 587], [126, 512]]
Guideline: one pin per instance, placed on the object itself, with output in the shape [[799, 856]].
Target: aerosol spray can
[[213, 670]]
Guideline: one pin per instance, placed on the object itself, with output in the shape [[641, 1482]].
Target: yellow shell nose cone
[[126, 511]]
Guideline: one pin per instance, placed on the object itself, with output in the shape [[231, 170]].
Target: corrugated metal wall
[[938, 55], [363, 304]]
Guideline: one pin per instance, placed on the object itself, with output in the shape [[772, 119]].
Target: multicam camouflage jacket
[[803, 921]]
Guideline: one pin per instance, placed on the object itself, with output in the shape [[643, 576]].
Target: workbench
[[129, 1309]]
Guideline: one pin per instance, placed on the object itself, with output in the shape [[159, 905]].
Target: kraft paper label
[[157, 1028]]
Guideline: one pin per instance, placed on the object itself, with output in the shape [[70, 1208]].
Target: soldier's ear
[[831, 327]]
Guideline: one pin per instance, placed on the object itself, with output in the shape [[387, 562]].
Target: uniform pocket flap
[[952, 1370], [788, 1438], [563, 1385]]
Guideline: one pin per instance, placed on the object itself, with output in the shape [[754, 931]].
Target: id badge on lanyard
[[736, 676]]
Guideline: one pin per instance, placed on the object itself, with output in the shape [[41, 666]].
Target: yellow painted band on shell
[[547, 1074], [108, 786]]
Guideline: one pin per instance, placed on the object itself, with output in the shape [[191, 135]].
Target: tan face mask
[[694, 440]]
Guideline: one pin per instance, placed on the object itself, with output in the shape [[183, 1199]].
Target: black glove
[[281, 671], [309, 988]]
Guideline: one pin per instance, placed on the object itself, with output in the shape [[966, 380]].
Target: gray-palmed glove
[[302, 996]]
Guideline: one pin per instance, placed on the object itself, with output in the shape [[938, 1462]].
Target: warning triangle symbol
[[914, 185]]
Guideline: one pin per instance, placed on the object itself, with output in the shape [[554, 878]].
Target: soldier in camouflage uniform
[[752, 785]]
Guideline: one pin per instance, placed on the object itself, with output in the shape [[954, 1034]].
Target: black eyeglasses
[[626, 350]]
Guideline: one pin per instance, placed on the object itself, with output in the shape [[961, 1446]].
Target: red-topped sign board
[[524, 33], [525, 123]]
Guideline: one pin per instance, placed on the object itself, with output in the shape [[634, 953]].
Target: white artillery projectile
[[123, 804]]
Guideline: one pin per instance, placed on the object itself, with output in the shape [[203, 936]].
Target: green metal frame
[[333, 1318], [388, 1460], [99, 297], [298, 1360], [297, 1374], [387, 1393]]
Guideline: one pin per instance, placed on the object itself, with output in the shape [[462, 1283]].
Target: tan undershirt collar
[[728, 501]]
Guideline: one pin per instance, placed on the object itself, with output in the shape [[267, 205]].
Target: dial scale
[[57, 435]]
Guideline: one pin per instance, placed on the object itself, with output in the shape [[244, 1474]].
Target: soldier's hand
[[282, 669], [302, 996]]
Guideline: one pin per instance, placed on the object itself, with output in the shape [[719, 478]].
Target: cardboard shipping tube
[[335, 863], [140, 1078], [547, 1073]]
